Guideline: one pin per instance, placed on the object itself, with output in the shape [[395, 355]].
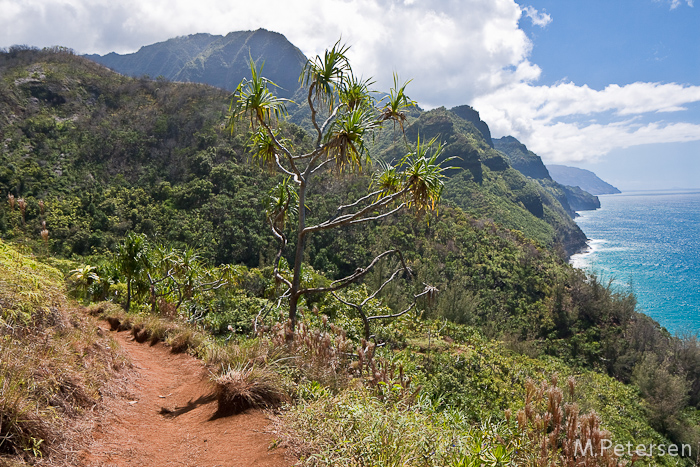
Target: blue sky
[[602, 42], [616, 42], [612, 86]]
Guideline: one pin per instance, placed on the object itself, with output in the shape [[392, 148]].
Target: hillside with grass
[[155, 216], [55, 364], [485, 184]]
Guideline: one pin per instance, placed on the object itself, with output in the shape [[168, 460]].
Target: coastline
[[643, 241]]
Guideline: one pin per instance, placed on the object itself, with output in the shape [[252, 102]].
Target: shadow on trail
[[191, 405]]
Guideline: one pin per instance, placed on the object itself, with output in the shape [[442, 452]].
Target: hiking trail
[[166, 417]]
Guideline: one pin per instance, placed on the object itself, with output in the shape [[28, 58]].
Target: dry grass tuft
[[184, 340], [106, 310], [181, 337], [241, 388]]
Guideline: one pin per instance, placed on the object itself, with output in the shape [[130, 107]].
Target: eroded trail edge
[[166, 416]]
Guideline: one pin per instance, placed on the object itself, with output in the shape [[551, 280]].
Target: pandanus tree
[[131, 260], [344, 115]]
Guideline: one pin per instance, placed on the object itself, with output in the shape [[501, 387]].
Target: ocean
[[649, 243]]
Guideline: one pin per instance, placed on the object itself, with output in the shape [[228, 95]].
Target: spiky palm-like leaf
[[326, 73], [354, 92], [282, 203], [253, 99], [345, 140], [423, 174], [397, 103], [387, 178], [265, 147]]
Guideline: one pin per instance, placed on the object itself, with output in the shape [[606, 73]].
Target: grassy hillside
[[54, 365]]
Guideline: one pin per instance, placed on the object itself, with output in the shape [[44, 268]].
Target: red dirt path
[[165, 418]]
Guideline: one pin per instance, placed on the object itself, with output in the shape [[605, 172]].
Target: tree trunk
[[298, 257]]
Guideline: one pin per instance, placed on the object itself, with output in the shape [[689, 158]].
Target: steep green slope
[[54, 365], [485, 185], [106, 154], [572, 198], [95, 155], [222, 61], [521, 158]]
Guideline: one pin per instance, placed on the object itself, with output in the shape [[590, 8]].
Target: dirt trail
[[166, 418]]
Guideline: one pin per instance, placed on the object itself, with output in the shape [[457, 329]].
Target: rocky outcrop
[[469, 114], [572, 198], [521, 158]]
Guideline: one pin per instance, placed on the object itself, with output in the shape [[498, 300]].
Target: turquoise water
[[649, 242]]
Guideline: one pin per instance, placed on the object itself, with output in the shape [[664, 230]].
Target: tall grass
[[53, 362], [355, 428]]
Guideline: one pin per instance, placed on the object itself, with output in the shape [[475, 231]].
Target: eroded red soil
[[165, 417]]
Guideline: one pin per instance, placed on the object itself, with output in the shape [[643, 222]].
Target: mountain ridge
[[582, 178], [210, 59], [221, 61]]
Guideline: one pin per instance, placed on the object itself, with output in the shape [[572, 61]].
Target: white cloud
[[538, 19], [559, 122], [676, 3], [453, 50]]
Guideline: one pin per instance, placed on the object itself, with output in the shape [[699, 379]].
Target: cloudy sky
[[612, 86]]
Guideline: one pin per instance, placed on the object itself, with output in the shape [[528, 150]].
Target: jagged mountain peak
[[220, 61]]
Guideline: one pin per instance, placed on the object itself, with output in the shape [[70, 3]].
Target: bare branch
[[330, 118], [350, 304], [429, 291], [154, 282], [359, 201], [360, 312], [349, 218], [346, 281], [313, 114], [283, 243], [381, 287], [269, 308], [380, 216], [283, 168], [321, 165], [395, 315]]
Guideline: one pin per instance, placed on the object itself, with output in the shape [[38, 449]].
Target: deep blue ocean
[[649, 243]]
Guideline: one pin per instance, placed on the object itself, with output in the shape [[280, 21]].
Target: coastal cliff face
[[521, 158], [472, 116], [485, 184], [581, 200], [530, 164]]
